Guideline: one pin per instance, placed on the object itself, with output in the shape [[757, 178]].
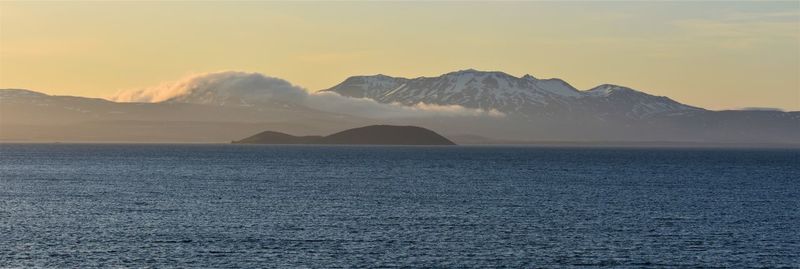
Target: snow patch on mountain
[[525, 96], [232, 88]]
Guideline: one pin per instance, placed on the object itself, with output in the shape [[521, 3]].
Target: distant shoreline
[[542, 144]]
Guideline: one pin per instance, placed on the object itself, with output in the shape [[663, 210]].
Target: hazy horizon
[[167, 89]]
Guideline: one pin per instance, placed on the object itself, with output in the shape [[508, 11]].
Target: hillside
[[368, 135]]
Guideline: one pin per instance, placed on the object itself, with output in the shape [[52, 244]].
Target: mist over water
[[86, 205]]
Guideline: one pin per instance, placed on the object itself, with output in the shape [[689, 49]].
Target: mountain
[[368, 135], [493, 106], [32, 116], [271, 137], [553, 110], [525, 97]]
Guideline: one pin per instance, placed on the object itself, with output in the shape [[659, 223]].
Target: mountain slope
[[218, 107], [32, 116], [526, 97], [271, 137], [368, 135], [387, 135]]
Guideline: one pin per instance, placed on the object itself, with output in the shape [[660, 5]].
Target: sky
[[716, 55]]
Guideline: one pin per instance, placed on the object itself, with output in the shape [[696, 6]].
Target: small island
[[368, 135]]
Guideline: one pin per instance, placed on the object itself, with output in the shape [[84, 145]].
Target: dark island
[[368, 135]]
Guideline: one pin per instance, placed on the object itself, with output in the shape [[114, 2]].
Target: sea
[[262, 206]]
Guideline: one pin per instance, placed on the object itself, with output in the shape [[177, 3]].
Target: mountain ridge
[[528, 109], [524, 96]]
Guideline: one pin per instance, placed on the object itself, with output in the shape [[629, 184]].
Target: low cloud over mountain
[[232, 88], [222, 106]]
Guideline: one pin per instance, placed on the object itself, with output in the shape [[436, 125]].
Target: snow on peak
[[509, 94], [470, 88], [558, 87], [606, 90], [464, 71], [479, 89], [258, 91]]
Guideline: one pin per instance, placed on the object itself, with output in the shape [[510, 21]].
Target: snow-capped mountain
[[525, 96], [218, 107]]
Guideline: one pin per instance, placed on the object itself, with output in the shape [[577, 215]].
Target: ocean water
[[224, 206]]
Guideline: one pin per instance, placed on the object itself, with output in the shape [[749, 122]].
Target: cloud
[[254, 89], [212, 88], [331, 101]]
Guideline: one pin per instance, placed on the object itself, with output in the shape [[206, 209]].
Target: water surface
[[88, 205]]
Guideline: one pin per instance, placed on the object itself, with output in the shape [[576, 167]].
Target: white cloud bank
[[216, 88], [252, 89]]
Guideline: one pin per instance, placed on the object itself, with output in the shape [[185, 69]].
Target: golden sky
[[717, 55]]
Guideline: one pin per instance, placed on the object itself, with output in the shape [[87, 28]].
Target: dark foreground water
[[307, 206]]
